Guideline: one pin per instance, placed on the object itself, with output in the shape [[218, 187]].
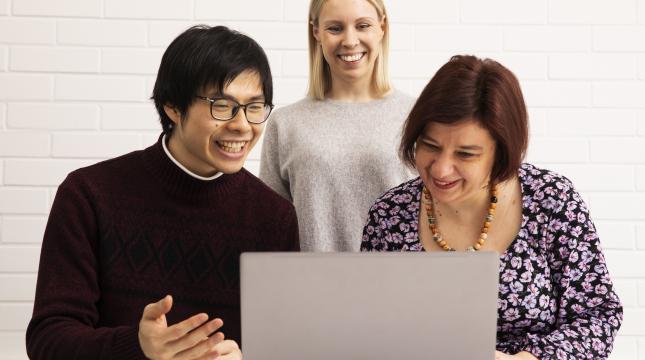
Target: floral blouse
[[556, 299]]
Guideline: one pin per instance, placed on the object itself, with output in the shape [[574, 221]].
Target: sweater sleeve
[[270, 166], [291, 231], [590, 312], [65, 315]]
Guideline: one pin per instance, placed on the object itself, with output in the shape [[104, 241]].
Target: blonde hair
[[319, 73]]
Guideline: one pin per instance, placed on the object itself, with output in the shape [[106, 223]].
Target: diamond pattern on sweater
[[139, 253], [200, 262], [169, 257], [228, 266], [110, 245]]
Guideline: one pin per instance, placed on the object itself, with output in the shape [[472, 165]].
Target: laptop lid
[[355, 306]]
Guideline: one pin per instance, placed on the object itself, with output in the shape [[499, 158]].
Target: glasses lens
[[257, 112], [222, 109]]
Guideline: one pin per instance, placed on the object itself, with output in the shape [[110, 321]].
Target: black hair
[[203, 57]]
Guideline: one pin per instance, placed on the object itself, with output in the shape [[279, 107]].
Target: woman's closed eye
[[431, 147], [466, 155]]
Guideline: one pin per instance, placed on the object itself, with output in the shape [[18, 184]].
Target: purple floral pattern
[[556, 299]]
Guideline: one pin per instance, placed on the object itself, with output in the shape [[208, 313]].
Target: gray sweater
[[332, 159]]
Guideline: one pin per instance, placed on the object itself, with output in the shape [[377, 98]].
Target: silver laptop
[[342, 306]]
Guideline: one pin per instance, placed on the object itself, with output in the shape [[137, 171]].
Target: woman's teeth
[[231, 146], [352, 58]]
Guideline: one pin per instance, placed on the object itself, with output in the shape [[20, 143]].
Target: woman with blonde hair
[[334, 152]]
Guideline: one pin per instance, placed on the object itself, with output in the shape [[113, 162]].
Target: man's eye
[[255, 107]]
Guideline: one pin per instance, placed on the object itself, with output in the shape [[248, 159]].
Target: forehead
[[244, 86], [338, 10], [465, 131]]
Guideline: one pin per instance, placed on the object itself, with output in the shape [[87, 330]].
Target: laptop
[[343, 306]]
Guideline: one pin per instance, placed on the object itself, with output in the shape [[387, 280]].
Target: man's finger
[[227, 349], [179, 330], [201, 348], [196, 336], [155, 310]]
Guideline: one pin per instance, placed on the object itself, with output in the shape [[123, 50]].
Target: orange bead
[[446, 247], [491, 211], [442, 243], [493, 205], [478, 246], [481, 241]]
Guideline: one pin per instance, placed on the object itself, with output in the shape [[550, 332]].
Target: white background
[[76, 75]]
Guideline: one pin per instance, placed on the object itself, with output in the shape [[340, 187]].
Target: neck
[[352, 90], [466, 210]]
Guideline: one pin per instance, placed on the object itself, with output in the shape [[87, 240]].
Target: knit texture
[[125, 232], [332, 159]]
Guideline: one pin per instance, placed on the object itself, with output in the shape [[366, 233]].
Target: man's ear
[[173, 114]]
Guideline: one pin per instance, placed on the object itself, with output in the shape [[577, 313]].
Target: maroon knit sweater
[[125, 232]]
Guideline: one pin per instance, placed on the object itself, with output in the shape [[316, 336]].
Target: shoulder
[[306, 104], [395, 105], [546, 187], [263, 195], [400, 98], [103, 171], [400, 195]]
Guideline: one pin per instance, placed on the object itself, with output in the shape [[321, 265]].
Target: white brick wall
[[3, 58], [63, 8], [101, 33], [25, 87], [22, 229], [50, 116], [4, 7], [76, 75], [54, 59], [27, 31], [131, 61], [149, 9], [592, 12]]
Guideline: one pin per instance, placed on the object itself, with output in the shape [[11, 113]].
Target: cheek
[[421, 161]]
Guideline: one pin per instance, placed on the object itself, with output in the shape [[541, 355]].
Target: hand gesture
[[187, 340]]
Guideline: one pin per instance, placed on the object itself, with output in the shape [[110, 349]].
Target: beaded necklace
[[436, 235]]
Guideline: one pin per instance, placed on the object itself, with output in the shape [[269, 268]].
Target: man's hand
[[186, 340]]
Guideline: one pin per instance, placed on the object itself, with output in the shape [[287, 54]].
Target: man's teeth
[[350, 58], [231, 146]]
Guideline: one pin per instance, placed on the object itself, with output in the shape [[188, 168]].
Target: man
[[168, 222]]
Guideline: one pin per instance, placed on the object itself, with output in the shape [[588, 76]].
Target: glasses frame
[[237, 108]]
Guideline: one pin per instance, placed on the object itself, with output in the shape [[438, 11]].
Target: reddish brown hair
[[468, 87]]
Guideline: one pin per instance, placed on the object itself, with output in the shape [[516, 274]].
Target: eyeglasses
[[225, 109]]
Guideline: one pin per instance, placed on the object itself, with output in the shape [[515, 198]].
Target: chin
[[230, 168]]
